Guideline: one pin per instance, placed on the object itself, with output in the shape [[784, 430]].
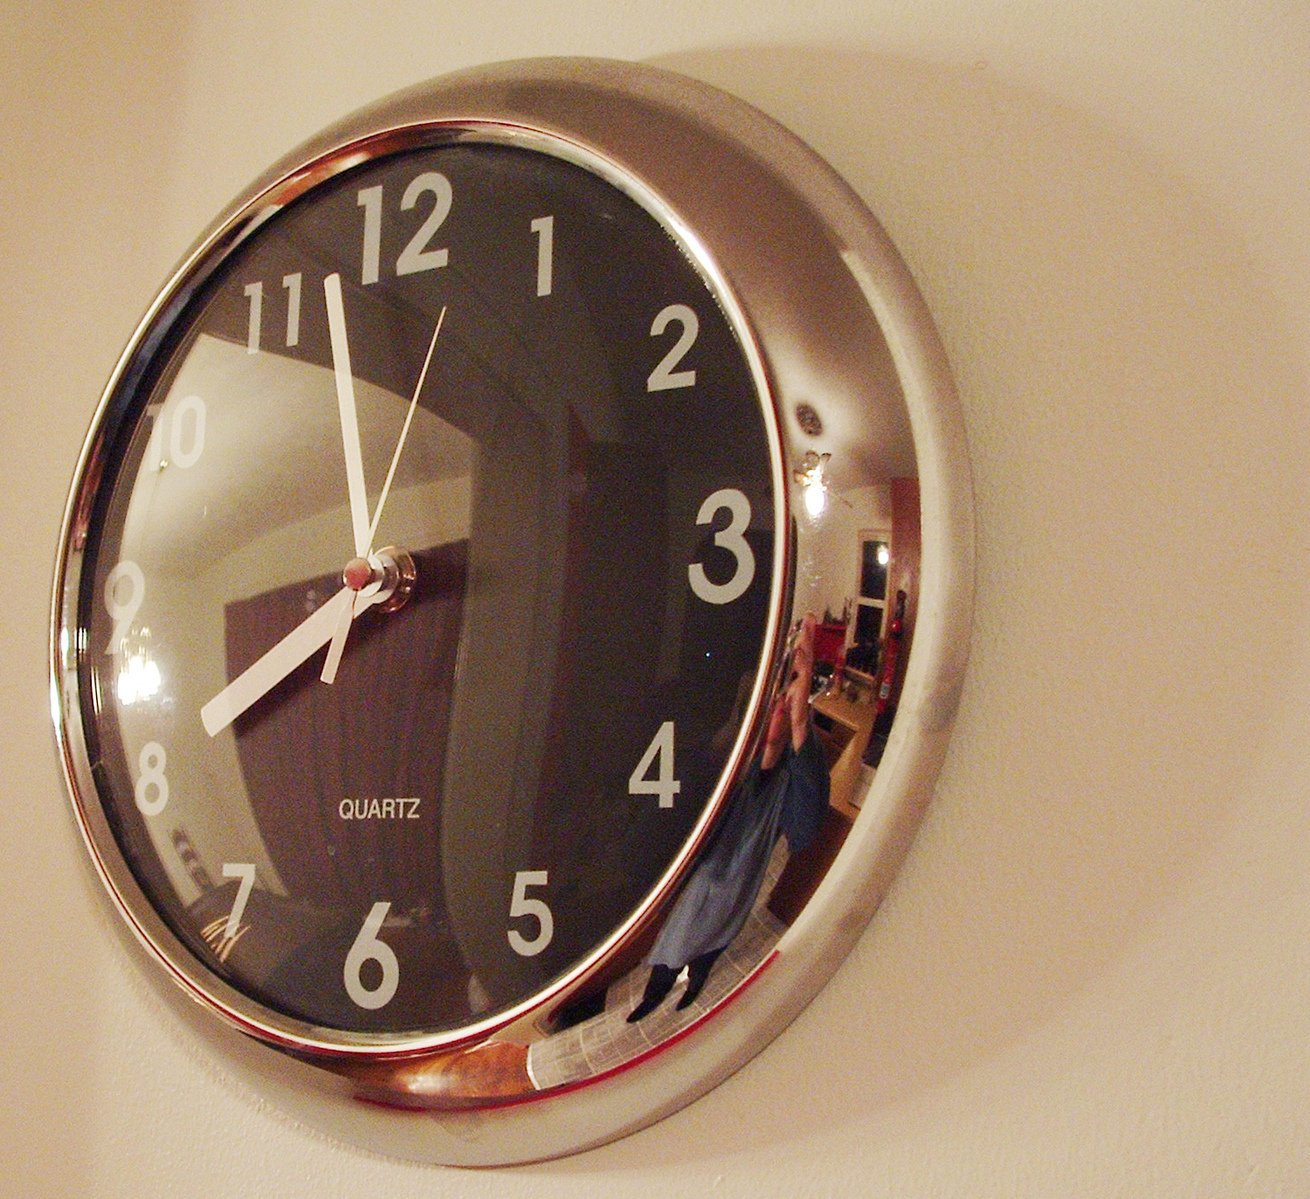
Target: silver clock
[[511, 607]]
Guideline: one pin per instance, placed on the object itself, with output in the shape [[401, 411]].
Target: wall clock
[[511, 607]]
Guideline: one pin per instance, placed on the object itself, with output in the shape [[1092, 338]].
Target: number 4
[[663, 784]]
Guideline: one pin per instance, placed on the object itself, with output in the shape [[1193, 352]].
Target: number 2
[[664, 377]]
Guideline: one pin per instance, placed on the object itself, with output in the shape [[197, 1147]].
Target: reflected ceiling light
[[809, 420], [139, 679], [810, 476]]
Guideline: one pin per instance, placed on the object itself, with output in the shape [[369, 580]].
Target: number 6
[[368, 947]]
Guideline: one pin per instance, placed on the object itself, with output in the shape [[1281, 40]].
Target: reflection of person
[[784, 793]]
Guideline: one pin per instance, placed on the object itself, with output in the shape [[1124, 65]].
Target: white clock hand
[[265, 674], [345, 381], [338, 646], [363, 576]]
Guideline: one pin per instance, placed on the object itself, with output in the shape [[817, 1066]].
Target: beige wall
[[1093, 976]]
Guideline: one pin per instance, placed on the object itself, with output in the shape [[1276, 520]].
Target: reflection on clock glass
[[515, 746]]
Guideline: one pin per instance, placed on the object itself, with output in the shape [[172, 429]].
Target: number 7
[[245, 871]]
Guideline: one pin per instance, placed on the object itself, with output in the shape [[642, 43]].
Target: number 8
[[152, 761]]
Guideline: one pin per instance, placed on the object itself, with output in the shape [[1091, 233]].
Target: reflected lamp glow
[[138, 679], [814, 486]]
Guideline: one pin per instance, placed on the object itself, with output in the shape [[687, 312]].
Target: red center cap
[[358, 574]]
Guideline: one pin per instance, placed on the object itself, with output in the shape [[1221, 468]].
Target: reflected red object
[[829, 641]]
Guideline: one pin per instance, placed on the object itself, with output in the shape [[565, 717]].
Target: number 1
[[292, 284], [370, 200], [544, 228], [255, 294]]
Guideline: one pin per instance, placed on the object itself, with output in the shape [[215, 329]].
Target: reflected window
[[871, 604]]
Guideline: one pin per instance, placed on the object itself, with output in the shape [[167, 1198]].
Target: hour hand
[[267, 672]]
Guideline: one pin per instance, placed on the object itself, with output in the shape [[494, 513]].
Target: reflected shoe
[[658, 986], [697, 974]]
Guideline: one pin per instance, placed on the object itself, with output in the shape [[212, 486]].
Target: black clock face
[[490, 368]]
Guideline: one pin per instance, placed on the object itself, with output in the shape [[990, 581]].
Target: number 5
[[521, 905]]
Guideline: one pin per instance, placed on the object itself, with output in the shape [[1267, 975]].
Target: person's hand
[[791, 708], [802, 682]]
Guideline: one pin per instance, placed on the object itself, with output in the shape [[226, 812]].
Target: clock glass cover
[[506, 393]]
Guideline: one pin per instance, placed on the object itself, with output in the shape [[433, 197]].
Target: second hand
[[348, 613]]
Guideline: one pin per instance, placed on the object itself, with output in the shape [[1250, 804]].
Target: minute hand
[[338, 646], [345, 381]]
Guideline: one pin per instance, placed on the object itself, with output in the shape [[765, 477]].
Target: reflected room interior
[[857, 550]]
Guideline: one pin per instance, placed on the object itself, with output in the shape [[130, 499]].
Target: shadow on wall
[[1139, 450]]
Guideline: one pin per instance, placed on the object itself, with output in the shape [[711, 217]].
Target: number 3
[[732, 539]]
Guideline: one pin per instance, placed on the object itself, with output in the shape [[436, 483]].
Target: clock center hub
[[359, 573], [393, 572]]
